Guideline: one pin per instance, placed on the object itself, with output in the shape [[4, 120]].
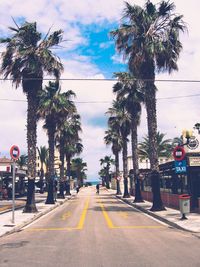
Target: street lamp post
[[187, 134]]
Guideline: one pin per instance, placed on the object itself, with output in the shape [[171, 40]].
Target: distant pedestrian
[[77, 189], [55, 190], [97, 188]]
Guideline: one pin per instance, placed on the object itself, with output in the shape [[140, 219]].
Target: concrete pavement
[[170, 216]]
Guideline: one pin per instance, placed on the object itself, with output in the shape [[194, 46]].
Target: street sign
[[14, 152], [179, 153], [180, 166]]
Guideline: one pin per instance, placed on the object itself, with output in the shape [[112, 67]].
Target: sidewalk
[[22, 219], [169, 216]]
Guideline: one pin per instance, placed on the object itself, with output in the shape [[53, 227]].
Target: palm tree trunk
[[31, 141], [125, 168], [68, 175], [107, 179], [51, 141], [138, 195], [117, 173], [62, 156], [150, 101]]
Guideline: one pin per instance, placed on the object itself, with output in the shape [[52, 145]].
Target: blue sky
[[90, 53]]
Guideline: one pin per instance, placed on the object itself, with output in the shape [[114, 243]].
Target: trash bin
[[184, 205]]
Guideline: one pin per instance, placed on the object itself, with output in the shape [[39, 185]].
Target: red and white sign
[[14, 152], [179, 153]]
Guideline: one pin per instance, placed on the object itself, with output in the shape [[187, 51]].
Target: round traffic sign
[[179, 153], [14, 152]]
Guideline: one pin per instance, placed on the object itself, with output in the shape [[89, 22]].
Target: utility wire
[[107, 79], [97, 102]]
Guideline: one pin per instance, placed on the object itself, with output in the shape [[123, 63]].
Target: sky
[[88, 53]]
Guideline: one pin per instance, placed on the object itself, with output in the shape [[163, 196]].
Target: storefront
[[173, 184]]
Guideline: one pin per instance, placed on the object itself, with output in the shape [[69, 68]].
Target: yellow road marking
[[112, 226], [79, 226], [105, 214], [83, 215], [123, 214], [66, 215], [139, 227]]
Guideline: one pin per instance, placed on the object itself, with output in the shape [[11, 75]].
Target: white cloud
[[173, 114]]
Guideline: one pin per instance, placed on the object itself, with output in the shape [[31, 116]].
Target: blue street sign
[[180, 166]]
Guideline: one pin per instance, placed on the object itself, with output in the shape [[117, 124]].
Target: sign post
[[14, 153]]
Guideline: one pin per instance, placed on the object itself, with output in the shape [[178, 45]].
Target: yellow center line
[[83, 215], [139, 227], [105, 214], [112, 226]]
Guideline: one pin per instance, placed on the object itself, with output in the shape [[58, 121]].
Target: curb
[[36, 216], [152, 214]]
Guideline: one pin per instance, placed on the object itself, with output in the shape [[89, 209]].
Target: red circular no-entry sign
[[14, 152], [179, 153]]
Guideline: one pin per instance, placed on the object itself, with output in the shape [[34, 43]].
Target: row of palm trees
[[26, 59], [148, 38]]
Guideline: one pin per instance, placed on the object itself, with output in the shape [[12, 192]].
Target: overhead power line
[[104, 102], [107, 79]]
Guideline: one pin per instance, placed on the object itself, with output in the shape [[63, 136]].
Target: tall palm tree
[[128, 90], [177, 141], [22, 161], [72, 143], [149, 38], [53, 106], [68, 140], [164, 146], [107, 161], [26, 58], [80, 167], [113, 138], [102, 174], [120, 119], [71, 149], [43, 153]]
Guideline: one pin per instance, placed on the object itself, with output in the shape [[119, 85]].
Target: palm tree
[[128, 90], [102, 174], [106, 162], [26, 58], [22, 161], [53, 106], [79, 167], [43, 156], [149, 38], [164, 150], [164, 146], [120, 120], [113, 138], [68, 142], [71, 143]]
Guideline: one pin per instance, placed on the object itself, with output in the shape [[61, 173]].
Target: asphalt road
[[98, 231]]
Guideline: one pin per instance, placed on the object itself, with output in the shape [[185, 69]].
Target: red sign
[[179, 153], [14, 152]]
